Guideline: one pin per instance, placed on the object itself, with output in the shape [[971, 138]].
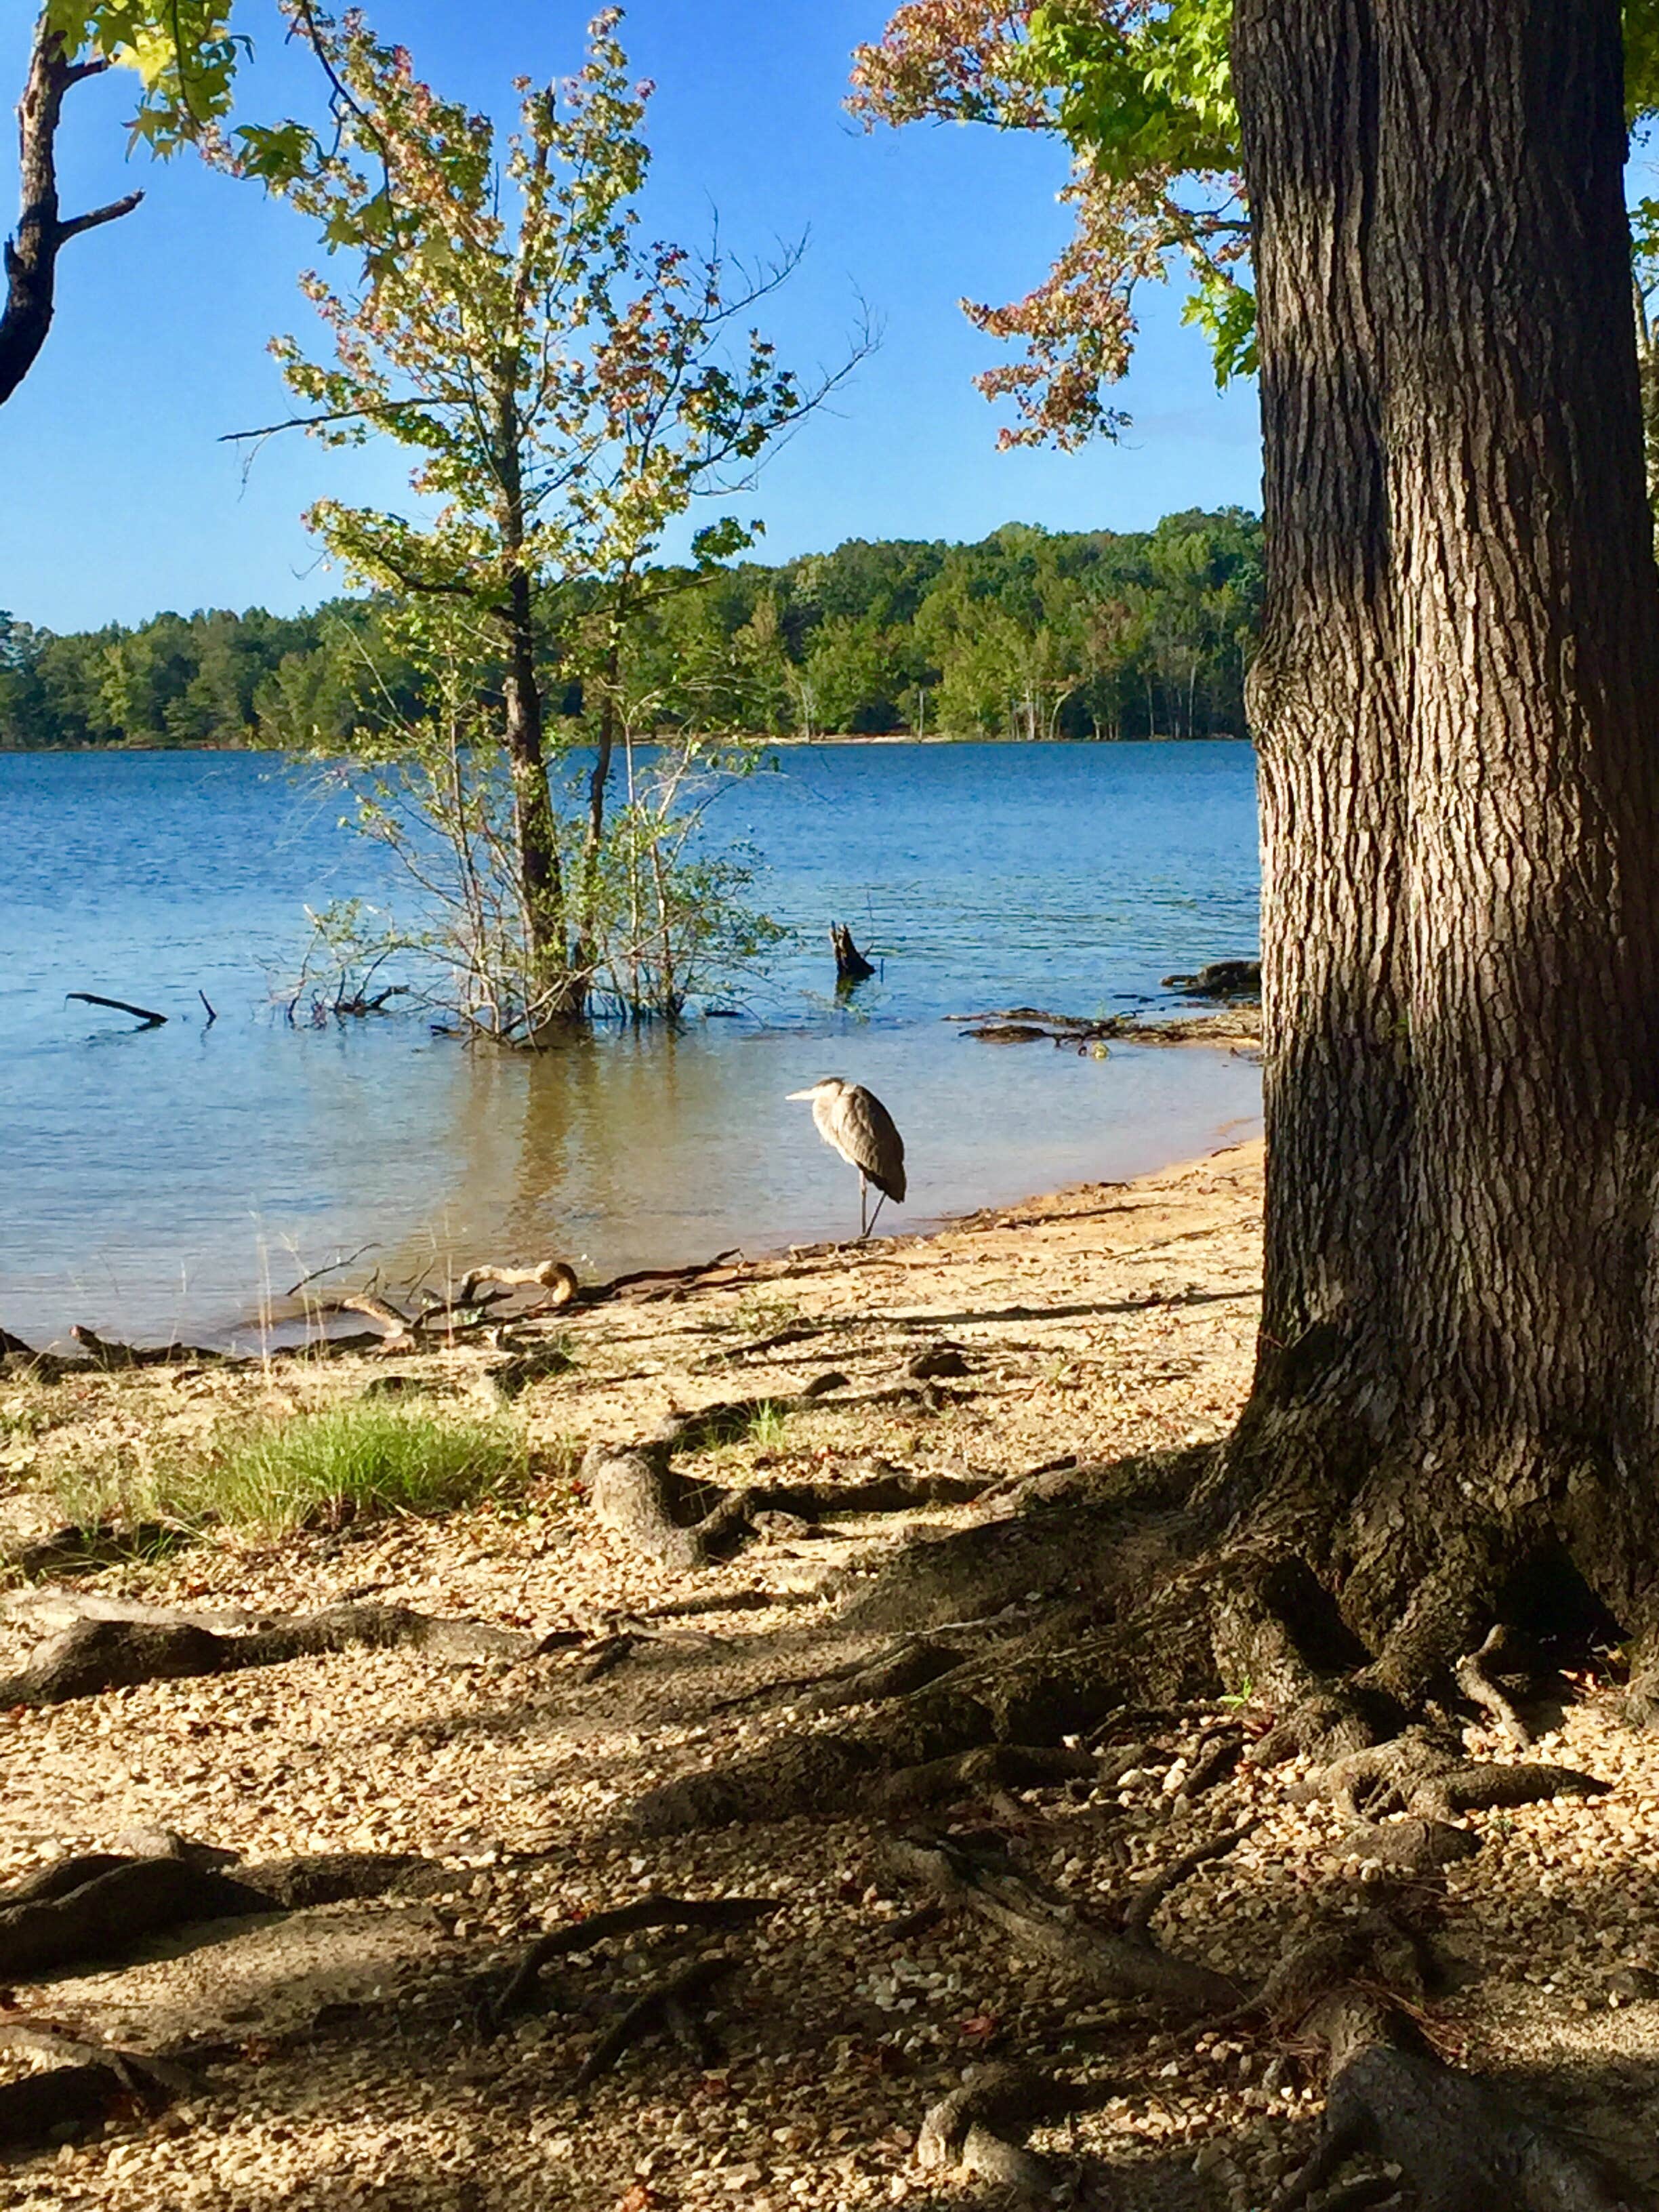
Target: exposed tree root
[[1408, 1846], [681, 1523], [993, 1767], [1424, 1773], [62, 2102], [106, 1914], [675, 2004], [1107, 1962], [1463, 2143], [135, 2070], [522, 1990], [85, 1911], [1479, 1687], [105, 1653], [974, 2129]]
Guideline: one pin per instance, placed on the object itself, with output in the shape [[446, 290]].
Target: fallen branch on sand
[[102, 1652]]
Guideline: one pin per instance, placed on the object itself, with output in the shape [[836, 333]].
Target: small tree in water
[[570, 393]]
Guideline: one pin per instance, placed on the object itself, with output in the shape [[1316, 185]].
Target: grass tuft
[[346, 1463]]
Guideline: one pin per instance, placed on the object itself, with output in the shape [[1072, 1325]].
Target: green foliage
[[183, 53], [278, 1474], [1141, 91]]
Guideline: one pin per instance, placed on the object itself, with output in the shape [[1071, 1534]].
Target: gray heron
[[853, 1122]]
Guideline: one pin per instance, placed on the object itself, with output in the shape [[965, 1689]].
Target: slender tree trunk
[[599, 783], [540, 884], [1453, 700], [42, 231]]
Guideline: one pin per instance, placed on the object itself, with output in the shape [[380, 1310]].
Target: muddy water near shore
[[181, 1179]]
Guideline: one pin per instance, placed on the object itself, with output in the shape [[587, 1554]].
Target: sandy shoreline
[[335, 2047]]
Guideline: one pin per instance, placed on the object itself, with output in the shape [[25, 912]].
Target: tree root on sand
[[84, 1912], [522, 1991], [679, 1522], [974, 2129], [675, 2003], [1123, 1962], [118, 1647], [1462, 2142]]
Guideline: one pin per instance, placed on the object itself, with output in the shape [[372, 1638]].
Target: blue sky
[[119, 500]]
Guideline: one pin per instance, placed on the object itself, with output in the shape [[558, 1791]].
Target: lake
[[181, 1179]]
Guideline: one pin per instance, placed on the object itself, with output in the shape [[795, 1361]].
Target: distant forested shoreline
[[1030, 634]]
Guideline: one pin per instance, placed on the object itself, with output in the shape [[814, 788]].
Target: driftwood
[[145, 1016], [553, 1276], [1043, 1923], [107, 1352], [1463, 2143], [102, 1652], [851, 966], [682, 1523]]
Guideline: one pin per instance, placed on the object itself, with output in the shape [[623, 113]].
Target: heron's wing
[[866, 1135]]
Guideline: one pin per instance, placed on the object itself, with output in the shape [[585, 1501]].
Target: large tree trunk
[[1455, 704]]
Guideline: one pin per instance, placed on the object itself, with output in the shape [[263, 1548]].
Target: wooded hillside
[[1029, 634]]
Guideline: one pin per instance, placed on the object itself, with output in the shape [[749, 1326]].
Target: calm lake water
[[182, 1178]]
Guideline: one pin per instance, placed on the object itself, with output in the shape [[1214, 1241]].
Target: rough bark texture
[[1461, 816], [42, 231]]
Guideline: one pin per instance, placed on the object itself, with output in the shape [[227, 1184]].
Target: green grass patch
[[343, 1464]]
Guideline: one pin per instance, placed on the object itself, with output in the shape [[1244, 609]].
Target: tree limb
[[31, 254]]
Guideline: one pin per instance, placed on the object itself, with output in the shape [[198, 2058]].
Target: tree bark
[[1461, 811], [32, 254]]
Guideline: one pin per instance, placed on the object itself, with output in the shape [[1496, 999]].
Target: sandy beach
[[334, 2052]]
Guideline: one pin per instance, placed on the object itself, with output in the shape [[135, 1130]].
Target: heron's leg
[[863, 1201], [880, 1202]]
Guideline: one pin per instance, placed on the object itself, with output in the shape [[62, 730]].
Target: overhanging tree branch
[[31, 255]]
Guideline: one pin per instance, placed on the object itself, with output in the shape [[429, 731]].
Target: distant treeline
[[1030, 634]]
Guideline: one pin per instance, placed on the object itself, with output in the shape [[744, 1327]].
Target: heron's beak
[[797, 1094]]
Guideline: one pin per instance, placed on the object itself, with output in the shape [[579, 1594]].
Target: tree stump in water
[[851, 966]]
